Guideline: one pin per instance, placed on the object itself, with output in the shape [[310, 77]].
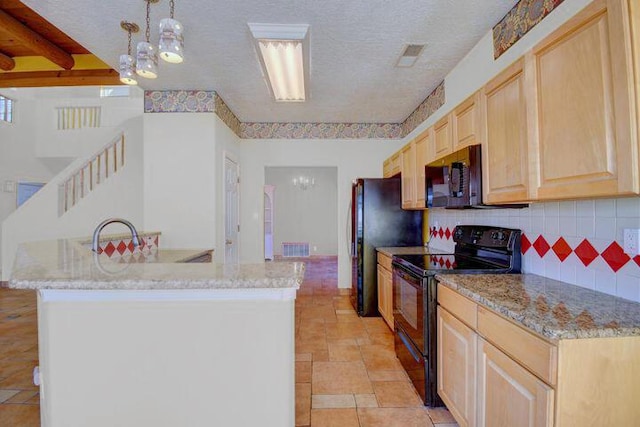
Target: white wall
[[119, 196], [183, 177], [305, 215], [353, 158], [599, 221]]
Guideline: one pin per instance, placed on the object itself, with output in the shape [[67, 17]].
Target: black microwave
[[456, 180]]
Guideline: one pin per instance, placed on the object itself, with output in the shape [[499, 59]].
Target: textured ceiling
[[354, 48]]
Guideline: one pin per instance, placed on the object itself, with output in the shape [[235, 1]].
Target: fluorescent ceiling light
[[283, 58]]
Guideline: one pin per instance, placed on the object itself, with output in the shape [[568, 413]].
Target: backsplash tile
[[578, 242]]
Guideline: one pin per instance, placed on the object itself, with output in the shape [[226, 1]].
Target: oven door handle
[[410, 279], [409, 346]]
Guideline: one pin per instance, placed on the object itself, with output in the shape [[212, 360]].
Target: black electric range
[[478, 249]]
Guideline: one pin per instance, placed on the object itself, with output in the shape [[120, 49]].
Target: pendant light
[[171, 44], [147, 54], [127, 64]]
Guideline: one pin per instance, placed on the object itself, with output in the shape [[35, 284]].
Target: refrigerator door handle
[[348, 230]]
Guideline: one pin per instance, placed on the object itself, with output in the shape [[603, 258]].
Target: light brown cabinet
[[505, 154], [385, 289], [414, 160], [442, 137], [457, 344], [582, 79], [392, 166], [467, 123], [518, 378], [508, 395]]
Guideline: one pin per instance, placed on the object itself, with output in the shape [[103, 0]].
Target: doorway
[[231, 208]]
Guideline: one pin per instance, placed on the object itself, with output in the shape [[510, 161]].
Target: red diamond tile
[[122, 246], [433, 232], [636, 259], [155, 241], [441, 261], [109, 249], [541, 246], [525, 244], [447, 233], [131, 246], [448, 264], [586, 252], [614, 256], [562, 249], [440, 232]]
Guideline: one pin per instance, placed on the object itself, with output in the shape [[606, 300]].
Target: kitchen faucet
[[95, 243]]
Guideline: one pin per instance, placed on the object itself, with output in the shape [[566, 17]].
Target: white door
[[231, 209]]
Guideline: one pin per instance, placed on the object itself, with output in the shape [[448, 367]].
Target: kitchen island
[[156, 340]]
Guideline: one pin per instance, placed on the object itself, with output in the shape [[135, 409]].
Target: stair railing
[[92, 173], [78, 117]]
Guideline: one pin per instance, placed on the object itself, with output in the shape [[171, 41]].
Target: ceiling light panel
[[283, 52]]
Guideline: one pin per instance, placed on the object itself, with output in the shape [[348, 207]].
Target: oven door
[[408, 305]]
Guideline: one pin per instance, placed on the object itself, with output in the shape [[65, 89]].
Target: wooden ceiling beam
[[35, 41], [6, 62], [60, 78]]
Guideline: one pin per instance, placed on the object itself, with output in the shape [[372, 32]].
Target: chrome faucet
[[95, 243]]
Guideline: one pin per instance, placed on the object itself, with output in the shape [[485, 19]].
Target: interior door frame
[[232, 157]]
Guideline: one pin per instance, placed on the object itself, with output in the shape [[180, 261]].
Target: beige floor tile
[[366, 401], [303, 372], [21, 397], [20, 415], [334, 418], [303, 404], [397, 375], [340, 378], [380, 358], [320, 356], [342, 330], [326, 401], [303, 357], [344, 353], [393, 417], [440, 415], [7, 394], [396, 394]]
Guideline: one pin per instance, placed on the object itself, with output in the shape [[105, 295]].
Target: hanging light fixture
[[171, 44], [127, 64], [147, 55]]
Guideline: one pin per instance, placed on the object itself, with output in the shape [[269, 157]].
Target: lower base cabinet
[[508, 395], [385, 289]]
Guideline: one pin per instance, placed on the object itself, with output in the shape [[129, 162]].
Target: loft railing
[[92, 173], [78, 117]]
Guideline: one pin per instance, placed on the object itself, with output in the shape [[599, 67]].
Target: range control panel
[[486, 236]]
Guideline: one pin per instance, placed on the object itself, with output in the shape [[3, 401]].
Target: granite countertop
[[553, 309], [409, 250], [70, 264]]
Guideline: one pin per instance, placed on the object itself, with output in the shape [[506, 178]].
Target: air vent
[[410, 55], [295, 249]]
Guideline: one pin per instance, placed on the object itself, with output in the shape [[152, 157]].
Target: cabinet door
[[508, 395], [386, 169], [584, 120], [467, 122], [422, 145], [457, 346], [442, 137], [505, 154], [385, 295], [408, 176]]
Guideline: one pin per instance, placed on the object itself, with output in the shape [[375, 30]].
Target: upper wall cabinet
[[467, 123], [391, 166], [505, 153], [442, 137], [414, 160], [584, 127]]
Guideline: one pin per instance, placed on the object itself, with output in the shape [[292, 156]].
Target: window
[[111, 91], [26, 190], [6, 109]]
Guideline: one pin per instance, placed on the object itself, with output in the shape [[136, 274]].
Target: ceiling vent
[[410, 55]]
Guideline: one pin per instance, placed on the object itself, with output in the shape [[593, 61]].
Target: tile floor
[[346, 370], [347, 373]]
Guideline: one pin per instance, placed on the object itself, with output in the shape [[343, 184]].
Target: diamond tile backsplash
[[579, 242]]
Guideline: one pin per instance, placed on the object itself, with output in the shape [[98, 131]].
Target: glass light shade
[[147, 60], [127, 70], [171, 44], [283, 61]]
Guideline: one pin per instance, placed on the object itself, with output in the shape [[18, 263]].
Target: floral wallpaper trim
[[525, 15], [226, 115], [179, 101], [201, 101], [429, 106], [320, 130]]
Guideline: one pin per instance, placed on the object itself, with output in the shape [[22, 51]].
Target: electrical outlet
[[632, 241]]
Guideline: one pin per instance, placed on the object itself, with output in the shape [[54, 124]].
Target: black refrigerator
[[377, 220]]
